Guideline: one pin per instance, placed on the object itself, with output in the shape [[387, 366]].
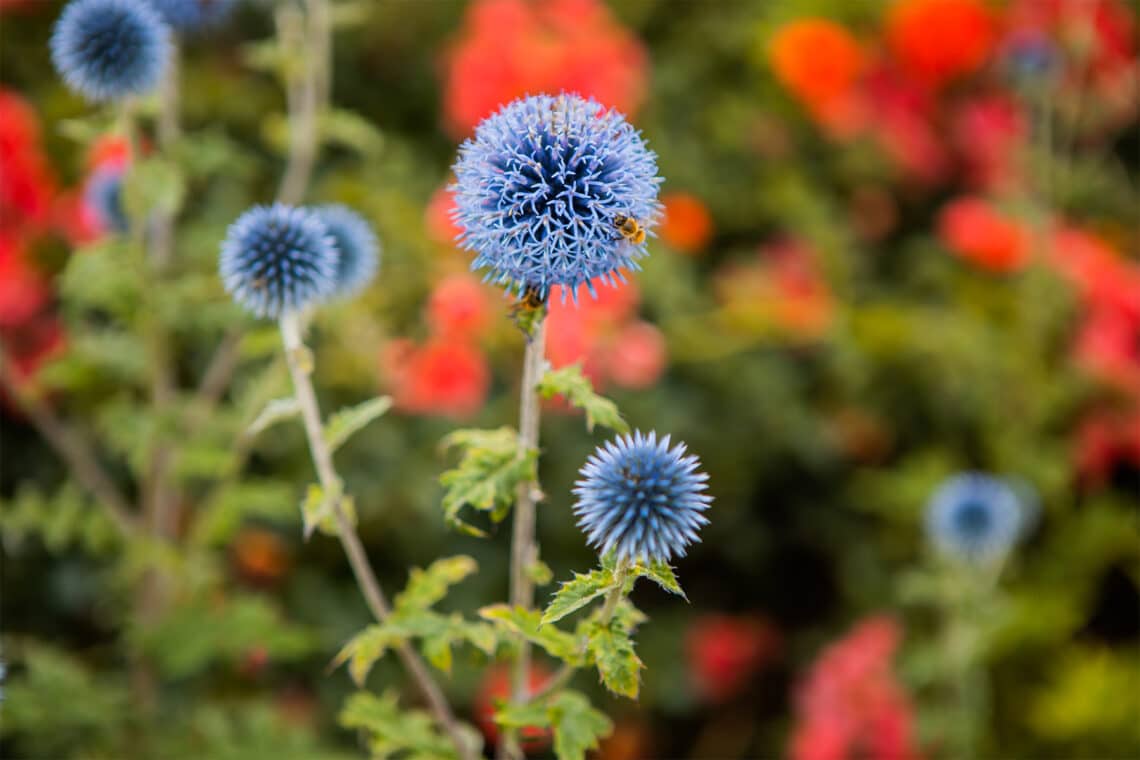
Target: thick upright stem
[[524, 548], [307, 99], [297, 357]]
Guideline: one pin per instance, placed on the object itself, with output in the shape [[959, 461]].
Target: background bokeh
[[900, 240]]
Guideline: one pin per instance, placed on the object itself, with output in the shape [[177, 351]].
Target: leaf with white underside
[[348, 421]]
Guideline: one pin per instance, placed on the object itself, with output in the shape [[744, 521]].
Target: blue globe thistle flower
[[641, 499], [278, 259], [357, 247], [110, 49], [976, 517], [189, 15], [543, 187], [103, 194]]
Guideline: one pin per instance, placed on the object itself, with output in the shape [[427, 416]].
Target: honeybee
[[630, 229], [530, 302]]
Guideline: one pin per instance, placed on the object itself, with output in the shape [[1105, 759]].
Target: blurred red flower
[[26, 181], [818, 61], [636, 356], [1105, 438], [437, 218], [1108, 347], [724, 652], [23, 289], [444, 376], [850, 705], [459, 307], [1099, 273], [495, 687], [510, 48], [989, 132], [901, 116], [936, 41], [973, 229], [687, 224], [780, 292]]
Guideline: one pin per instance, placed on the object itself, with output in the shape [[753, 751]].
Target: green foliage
[[660, 573], [61, 520], [153, 185], [576, 388], [395, 733], [577, 726], [490, 468], [611, 650], [277, 410], [317, 509], [527, 623], [577, 593], [350, 420]]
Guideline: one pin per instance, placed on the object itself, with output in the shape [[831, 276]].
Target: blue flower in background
[[278, 259], [357, 248], [542, 188], [188, 15], [104, 196], [110, 49], [976, 517], [641, 499]]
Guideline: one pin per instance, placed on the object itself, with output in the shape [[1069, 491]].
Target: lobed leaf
[[570, 383], [527, 623], [577, 593], [489, 472], [611, 649], [660, 573], [392, 731], [426, 587], [350, 420]]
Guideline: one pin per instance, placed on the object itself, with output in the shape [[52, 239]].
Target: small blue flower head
[[975, 517], [543, 188], [357, 248], [278, 259], [104, 197], [191, 15], [110, 49], [641, 499]]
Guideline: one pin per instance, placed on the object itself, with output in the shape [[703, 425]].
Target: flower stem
[[524, 548], [297, 357]]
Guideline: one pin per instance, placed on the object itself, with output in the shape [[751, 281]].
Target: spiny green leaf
[[611, 649], [277, 410], [570, 383], [348, 421], [577, 725], [660, 573], [392, 731], [557, 643], [489, 471], [365, 648], [577, 593], [426, 587]]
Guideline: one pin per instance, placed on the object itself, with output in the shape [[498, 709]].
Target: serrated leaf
[[555, 642], [577, 593], [277, 410], [570, 383], [426, 587], [539, 573], [317, 510], [490, 469], [350, 420], [393, 731], [577, 725], [619, 667], [660, 573], [365, 648]]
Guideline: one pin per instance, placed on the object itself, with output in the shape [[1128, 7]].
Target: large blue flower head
[[543, 188], [357, 248], [110, 49], [975, 517], [641, 499], [103, 195], [278, 259], [190, 15]]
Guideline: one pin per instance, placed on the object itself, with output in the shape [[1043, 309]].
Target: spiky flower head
[[103, 195], [278, 259], [110, 49], [975, 517], [641, 499], [191, 15], [541, 190], [357, 248]]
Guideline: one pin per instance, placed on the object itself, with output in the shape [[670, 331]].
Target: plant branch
[[298, 358], [72, 448]]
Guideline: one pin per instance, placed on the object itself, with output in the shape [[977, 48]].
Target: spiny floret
[[640, 499], [110, 49], [278, 259], [190, 15], [357, 247], [975, 517], [540, 190]]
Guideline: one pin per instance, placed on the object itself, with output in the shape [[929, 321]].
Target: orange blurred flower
[[687, 224], [260, 556], [437, 218], [781, 291], [445, 376], [494, 687], [973, 229], [510, 48], [459, 307], [939, 40], [817, 60]]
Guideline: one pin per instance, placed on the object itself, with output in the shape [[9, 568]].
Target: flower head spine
[[641, 499], [541, 190], [110, 49]]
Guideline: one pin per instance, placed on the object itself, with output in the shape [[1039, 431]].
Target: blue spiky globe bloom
[[975, 517], [103, 195], [191, 15], [641, 499], [357, 247], [539, 189], [278, 259], [108, 50]]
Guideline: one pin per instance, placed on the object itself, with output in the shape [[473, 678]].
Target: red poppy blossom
[[495, 687], [724, 653], [817, 60], [687, 224], [459, 307], [939, 40], [445, 377], [976, 231]]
